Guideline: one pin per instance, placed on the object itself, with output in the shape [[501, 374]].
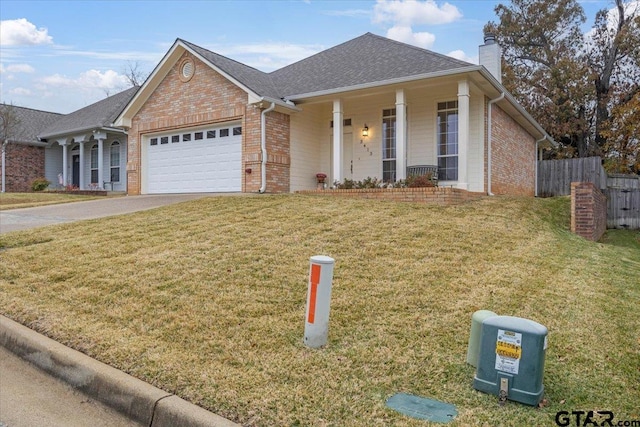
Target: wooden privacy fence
[[622, 191], [555, 176]]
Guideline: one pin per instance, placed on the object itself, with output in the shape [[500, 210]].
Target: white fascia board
[[520, 109], [281, 105], [85, 130]]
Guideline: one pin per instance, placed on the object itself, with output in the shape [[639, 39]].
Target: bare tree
[[134, 74]]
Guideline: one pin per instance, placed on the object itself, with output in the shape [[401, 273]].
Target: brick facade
[[442, 196], [24, 163], [209, 98], [513, 155], [588, 211]]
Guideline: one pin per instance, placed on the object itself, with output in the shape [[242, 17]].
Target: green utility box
[[511, 359]]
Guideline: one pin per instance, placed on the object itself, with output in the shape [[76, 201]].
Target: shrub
[[418, 181], [39, 184]]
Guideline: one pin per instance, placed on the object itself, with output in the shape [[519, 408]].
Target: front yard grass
[[206, 299], [29, 200]]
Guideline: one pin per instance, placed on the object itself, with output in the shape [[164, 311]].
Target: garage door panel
[[207, 165]]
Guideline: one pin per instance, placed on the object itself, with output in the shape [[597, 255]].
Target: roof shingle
[[97, 115]]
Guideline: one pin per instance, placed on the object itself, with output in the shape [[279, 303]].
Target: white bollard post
[[316, 328]]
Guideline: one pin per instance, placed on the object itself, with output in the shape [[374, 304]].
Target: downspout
[[490, 103], [536, 170], [263, 146]]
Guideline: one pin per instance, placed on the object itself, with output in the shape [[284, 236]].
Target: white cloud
[[630, 9], [405, 14], [412, 12], [406, 35], [267, 56], [18, 68], [20, 91], [89, 80], [20, 32], [459, 54]]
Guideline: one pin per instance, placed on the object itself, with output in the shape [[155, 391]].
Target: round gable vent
[[187, 69]]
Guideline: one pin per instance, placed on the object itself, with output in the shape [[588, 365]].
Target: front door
[[75, 170]]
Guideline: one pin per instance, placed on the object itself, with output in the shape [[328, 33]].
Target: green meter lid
[[422, 408]]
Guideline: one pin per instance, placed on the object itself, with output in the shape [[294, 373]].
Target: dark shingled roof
[[28, 122], [94, 116], [365, 59]]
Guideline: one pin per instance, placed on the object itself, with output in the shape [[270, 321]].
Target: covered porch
[[386, 132], [88, 161]]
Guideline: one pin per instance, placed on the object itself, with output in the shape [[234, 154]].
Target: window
[[389, 145], [211, 134], [175, 138], [154, 141], [94, 164], [224, 132], [237, 131], [164, 140], [447, 128], [198, 135], [186, 137], [115, 161]]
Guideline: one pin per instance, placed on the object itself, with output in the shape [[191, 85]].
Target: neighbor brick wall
[[588, 211], [513, 155], [24, 164], [443, 196], [209, 98]]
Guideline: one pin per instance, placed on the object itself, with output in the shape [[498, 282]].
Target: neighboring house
[[370, 107], [85, 150], [80, 149], [22, 153]]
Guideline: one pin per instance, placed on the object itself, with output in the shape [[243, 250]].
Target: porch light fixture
[[365, 131]]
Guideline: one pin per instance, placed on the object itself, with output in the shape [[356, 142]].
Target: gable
[[205, 92]]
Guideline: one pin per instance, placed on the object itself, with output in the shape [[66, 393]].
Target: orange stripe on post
[[315, 279]]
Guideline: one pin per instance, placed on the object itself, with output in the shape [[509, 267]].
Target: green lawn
[[29, 200], [206, 299]]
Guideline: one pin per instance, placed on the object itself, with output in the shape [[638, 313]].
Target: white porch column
[[100, 136], [65, 162], [463, 134], [337, 140], [401, 135], [81, 171]]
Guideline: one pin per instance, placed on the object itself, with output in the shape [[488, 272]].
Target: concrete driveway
[[22, 219]]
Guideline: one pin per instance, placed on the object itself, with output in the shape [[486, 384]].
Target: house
[[81, 149], [22, 153], [370, 107]]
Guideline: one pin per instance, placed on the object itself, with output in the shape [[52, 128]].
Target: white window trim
[[436, 134], [395, 142]]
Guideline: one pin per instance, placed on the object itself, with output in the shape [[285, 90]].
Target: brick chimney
[[491, 56]]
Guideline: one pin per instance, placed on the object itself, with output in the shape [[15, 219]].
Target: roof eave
[[81, 130], [542, 134], [380, 83]]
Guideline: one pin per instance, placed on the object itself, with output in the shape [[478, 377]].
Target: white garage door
[[195, 161]]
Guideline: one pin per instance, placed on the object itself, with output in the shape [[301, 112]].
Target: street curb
[[130, 396]]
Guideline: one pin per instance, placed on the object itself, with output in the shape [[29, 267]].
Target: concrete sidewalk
[[136, 400]]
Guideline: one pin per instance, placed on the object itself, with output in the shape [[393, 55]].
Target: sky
[[61, 56]]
